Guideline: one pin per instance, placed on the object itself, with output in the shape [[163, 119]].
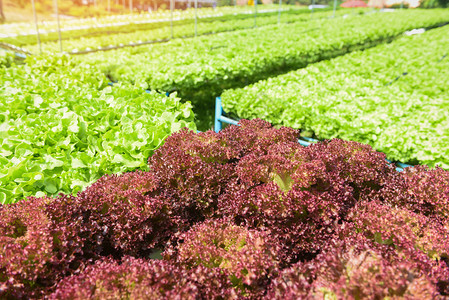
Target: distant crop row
[[62, 127], [393, 97], [200, 69], [164, 33], [107, 26], [158, 16]]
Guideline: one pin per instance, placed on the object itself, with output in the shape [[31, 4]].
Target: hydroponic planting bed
[[25, 33], [200, 69], [62, 127], [393, 97], [243, 213], [115, 39]]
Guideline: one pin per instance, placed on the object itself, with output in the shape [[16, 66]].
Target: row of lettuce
[[98, 27], [7, 59], [246, 213], [201, 68], [158, 16], [393, 97], [62, 127], [113, 39]]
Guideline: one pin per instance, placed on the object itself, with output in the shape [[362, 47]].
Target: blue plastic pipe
[[304, 141], [218, 113]]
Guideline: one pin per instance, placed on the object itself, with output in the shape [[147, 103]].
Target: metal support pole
[[402, 4], [255, 13], [37, 27], [59, 25], [196, 17], [131, 6], [335, 8], [313, 6], [172, 4], [279, 14], [2, 14]]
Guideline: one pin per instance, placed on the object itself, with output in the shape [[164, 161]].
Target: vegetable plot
[[163, 33], [393, 97], [244, 213], [200, 69], [62, 127], [21, 34]]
